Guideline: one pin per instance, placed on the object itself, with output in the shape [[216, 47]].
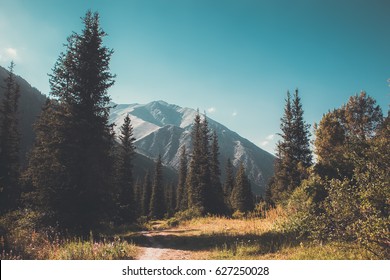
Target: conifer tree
[[146, 194], [157, 204], [194, 185], [217, 202], [181, 191], [137, 198], [170, 199], [242, 197], [229, 182], [293, 151], [77, 187], [205, 183], [125, 172], [301, 143], [9, 143]]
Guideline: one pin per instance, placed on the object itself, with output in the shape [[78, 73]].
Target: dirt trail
[[157, 251]]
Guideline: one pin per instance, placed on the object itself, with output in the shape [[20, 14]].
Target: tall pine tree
[[146, 195], [157, 207], [181, 191], [205, 183], [217, 202], [9, 143], [293, 151], [301, 142], [195, 187], [77, 187], [242, 197], [229, 182], [125, 172]]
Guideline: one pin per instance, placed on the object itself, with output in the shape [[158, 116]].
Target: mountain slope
[[30, 106], [162, 128]]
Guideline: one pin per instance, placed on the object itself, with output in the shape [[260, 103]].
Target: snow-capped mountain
[[162, 128]]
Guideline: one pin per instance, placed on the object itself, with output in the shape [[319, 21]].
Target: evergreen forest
[[79, 195]]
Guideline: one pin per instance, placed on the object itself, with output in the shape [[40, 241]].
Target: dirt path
[[157, 251]]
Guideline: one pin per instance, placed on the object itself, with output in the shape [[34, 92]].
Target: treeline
[[344, 195], [199, 190], [78, 177]]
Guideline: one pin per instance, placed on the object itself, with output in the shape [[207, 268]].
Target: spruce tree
[[137, 199], [9, 144], [293, 153], [157, 204], [181, 191], [229, 182], [217, 202], [125, 171], [205, 183], [301, 134], [170, 198], [146, 194], [194, 185], [78, 185], [242, 197]]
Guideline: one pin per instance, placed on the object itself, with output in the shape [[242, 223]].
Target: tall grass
[[20, 238], [257, 237]]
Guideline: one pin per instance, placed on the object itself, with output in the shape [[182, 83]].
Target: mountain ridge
[[163, 128]]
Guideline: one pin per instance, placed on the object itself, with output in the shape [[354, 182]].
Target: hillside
[[30, 106]]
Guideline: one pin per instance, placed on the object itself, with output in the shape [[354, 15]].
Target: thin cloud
[[9, 54], [211, 110], [234, 114], [270, 137], [264, 143]]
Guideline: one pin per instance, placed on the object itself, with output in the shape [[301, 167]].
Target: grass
[[331, 251], [89, 250], [20, 239], [202, 237], [38, 247], [248, 238]]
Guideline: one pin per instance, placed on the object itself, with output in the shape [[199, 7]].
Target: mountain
[[29, 109], [164, 128], [30, 106], [159, 127]]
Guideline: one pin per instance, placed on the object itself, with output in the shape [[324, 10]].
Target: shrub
[[189, 214], [238, 215]]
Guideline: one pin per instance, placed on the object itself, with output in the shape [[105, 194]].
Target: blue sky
[[234, 59]]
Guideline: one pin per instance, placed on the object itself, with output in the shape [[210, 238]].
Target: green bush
[[189, 214]]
